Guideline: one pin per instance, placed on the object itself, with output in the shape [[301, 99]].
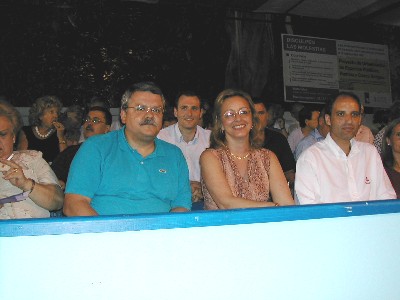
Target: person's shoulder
[[166, 146], [167, 133], [32, 154]]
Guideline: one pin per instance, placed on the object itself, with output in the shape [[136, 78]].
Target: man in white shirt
[[341, 169], [189, 136]]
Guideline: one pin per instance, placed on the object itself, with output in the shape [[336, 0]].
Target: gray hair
[[141, 87], [37, 109], [12, 114]]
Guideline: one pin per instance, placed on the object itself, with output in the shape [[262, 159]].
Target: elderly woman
[[236, 173], [25, 175], [391, 154], [45, 134]]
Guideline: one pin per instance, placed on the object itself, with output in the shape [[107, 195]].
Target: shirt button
[[141, 163]]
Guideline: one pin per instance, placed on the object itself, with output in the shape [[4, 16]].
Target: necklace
[[239, 157], [43, 136]]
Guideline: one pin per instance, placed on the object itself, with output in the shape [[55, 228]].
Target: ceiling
[[377, 11]]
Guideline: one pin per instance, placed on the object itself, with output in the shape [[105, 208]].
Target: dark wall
[[82, 50], [89, 50]]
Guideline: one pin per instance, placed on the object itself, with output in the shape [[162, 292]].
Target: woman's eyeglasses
[[231, 114]]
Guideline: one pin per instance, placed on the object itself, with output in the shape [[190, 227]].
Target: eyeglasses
[[95, 120], [231, 114], [145, 109]]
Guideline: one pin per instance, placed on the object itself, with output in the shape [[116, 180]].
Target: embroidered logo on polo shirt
[[367, 181], [162, 171]]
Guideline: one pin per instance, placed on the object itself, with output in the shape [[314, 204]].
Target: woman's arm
[[22, 141], [278, 185], [218, 187]]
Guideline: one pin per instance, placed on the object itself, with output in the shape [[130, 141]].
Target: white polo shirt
[[324, 174], [191, 150]]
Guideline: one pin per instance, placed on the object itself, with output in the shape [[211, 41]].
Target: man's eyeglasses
[[95, 120], [144, 109], [231, 114]]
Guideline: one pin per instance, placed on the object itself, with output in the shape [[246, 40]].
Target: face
[[49, 116], [236, 117], [141, 121], [7, 137], [313, 123], [188, 112], [95, 124], [344, 120], [394, 139], [323, 128], [262, 114]]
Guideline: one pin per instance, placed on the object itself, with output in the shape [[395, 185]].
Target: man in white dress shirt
[[189, 136], [341, 169]]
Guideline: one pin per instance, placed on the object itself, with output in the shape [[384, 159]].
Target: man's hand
[[197, 194]]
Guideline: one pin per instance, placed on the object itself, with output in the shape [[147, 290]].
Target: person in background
[[274, 141], [308, 119], [235, 172], [391, 154], [97, 121], [317, 135], [169, 117], [189, 136], [339, 168], [364, 134], [130, 171], [46, 133], [24, 173], [292, 119], [394, 113]]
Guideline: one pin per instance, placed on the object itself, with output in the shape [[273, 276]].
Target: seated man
[[189, 136], [97, 121], [275, 141], [341, 169], [130, 171], [308, 119], [317, 135]]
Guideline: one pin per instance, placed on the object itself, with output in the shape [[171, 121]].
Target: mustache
[[148, 121]]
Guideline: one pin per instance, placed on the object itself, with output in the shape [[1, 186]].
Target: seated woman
[[236, 173], [24, 172], [391, 154], [46, 133]]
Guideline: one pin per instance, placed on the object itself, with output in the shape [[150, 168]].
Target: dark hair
[[394, 111], [387, 153], [105, 111], [305, 114], [146, 86], [217, 138], [331, 102], [187, 94]]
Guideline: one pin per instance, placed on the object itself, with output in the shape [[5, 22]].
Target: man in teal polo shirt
[[130, 171]]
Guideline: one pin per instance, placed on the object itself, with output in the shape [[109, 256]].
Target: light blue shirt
[[307, 141], [120, 181]]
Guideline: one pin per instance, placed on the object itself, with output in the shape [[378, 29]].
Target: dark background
[[99, 48]]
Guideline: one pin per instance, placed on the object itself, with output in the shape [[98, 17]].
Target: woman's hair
[[387, 154], [217, 138], [10, 112], [37, 109]]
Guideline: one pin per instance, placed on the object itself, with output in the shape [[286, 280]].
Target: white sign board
[[314, 69]]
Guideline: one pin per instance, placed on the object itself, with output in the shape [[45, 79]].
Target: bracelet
[[62, 142], [33, 186]]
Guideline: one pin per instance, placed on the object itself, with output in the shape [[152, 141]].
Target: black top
[[277, 143], [49, 147], [63, 161]]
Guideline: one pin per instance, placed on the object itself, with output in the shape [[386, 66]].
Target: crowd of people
[[239, 152]]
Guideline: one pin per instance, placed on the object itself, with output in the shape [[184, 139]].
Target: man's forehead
[[260, 107], [96, 113], [189, 101], [144, 98], [342, 102]]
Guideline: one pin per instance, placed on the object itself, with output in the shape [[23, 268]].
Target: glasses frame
[[95, 120], [244, 111], [158, 110]]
